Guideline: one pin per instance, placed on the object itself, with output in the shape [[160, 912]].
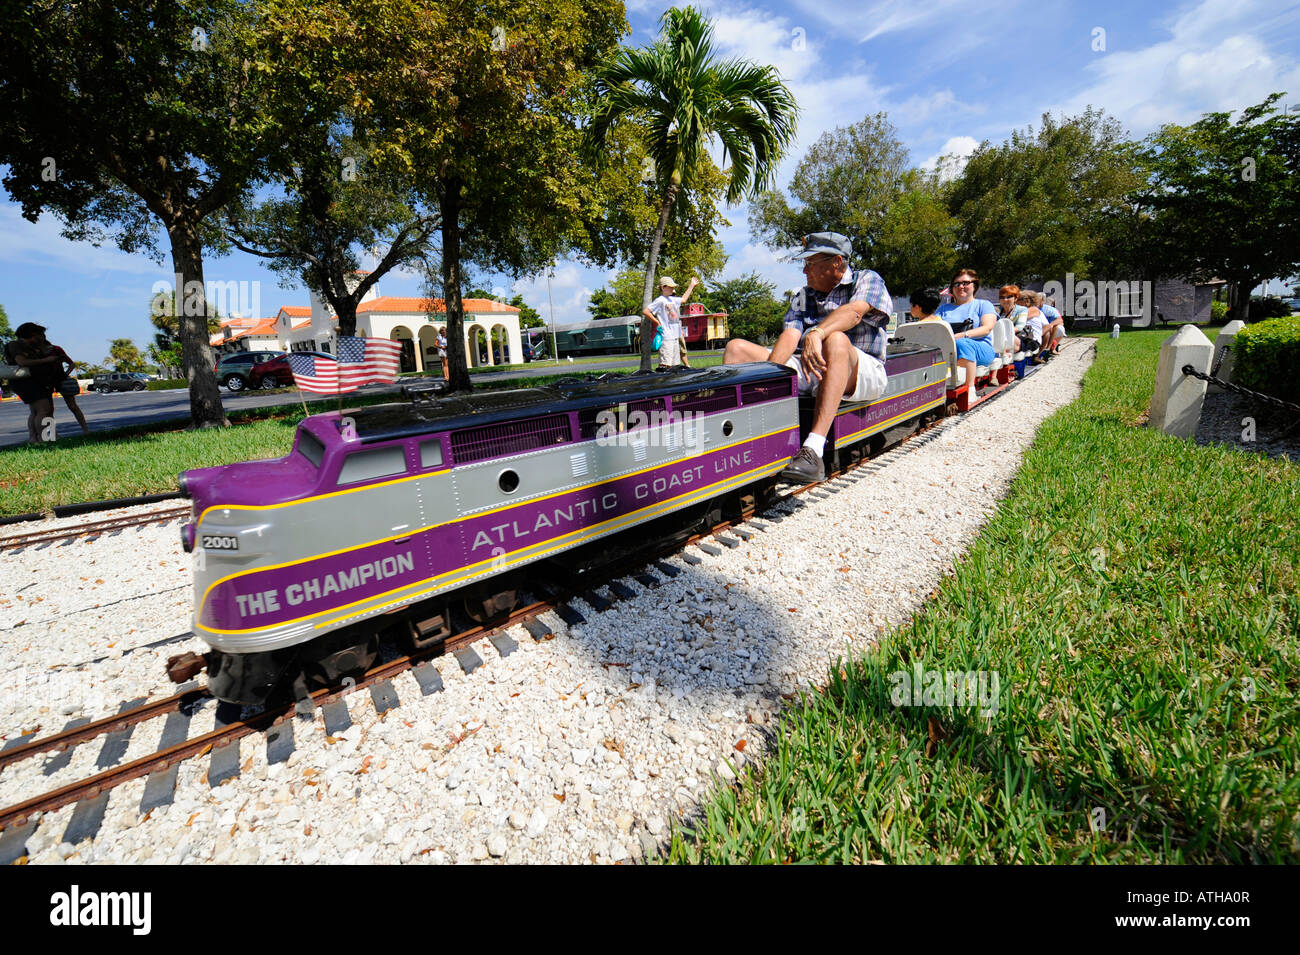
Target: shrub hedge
[[1268, 357], [167, 384]]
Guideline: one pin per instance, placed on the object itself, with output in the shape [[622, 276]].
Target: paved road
[[124, 408]]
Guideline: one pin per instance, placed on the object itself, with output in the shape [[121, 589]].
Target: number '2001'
[[213, 542]]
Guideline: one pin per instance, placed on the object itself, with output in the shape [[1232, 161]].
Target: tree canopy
[[1222, 198], [754, 312], [120, 117], [1034, 206]]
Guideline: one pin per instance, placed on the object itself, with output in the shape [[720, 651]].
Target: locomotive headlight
[[187, 537], [183, 480]]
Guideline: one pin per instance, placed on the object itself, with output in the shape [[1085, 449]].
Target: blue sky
[[948, 74]]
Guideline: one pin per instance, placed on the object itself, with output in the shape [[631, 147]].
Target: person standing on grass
[[65, 384], [666, 313], [442, 353], [28, 350]]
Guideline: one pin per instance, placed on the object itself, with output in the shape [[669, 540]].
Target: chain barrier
[[1244, 392]]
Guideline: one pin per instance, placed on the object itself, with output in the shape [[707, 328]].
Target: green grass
[[146, 459], [1147, 670]]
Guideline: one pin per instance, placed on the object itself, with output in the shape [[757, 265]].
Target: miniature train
[[387, 517]]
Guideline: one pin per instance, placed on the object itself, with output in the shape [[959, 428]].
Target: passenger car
[[233, 370], [273, 373], [120, 381]]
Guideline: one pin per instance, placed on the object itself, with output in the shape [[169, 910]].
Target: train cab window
[[311, 448], [431, 453], [373, 463]]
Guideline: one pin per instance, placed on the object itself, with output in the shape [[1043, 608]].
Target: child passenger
[[924, 301]]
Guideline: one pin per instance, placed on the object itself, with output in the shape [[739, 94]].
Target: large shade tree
[[1223, 199], [846, 183], [1034, 207], [120, 117], [483, 109], [683, 97]]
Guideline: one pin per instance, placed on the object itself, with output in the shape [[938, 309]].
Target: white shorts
[[669, 352], [871, 384]]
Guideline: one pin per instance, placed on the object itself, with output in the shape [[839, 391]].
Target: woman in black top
[[28, 351]]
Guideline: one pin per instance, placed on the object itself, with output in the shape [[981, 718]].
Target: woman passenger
[[972, 320]]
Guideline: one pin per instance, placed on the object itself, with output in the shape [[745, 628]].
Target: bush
[[1270, 306], [1268, 356], [167, 384], [1218, 313]]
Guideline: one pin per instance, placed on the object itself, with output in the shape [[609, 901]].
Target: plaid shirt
[[809, 307]]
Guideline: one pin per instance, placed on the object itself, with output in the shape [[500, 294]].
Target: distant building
[[491, 329]]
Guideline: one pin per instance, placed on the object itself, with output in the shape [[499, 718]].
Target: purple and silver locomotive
[[384, 517]]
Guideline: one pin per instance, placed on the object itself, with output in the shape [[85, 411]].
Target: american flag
[[361, 361], [317, 374], [366, 360]]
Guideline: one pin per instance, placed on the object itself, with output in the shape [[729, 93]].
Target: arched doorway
[[410, 360], [500, 345], [429, 349], [477, 346]]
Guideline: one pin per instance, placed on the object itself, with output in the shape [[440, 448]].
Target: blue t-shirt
[[1051, 313], [973, 311]]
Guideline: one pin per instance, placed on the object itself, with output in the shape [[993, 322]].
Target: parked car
[[233, 370], [534, 350], [273, 373], [120, 381], [276, 373]]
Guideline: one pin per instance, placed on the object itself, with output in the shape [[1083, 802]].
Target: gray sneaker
[[804, 468]]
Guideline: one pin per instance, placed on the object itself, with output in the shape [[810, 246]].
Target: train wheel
[[488, 607], [338, 665]]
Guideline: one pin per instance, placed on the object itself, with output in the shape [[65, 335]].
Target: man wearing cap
[[666, 313], [834, 339]]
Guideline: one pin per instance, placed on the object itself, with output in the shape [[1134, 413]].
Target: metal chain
[[1219, 363], [1245, 392]]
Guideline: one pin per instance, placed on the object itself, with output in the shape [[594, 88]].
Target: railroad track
[[91, 531], [91, 794]]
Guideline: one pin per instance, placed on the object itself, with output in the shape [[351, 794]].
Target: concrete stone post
[[1228, 336], [1176, 404]]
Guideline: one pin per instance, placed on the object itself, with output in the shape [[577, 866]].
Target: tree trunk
[[1239, 297], [647, 295], [192, 326], [457, 367]]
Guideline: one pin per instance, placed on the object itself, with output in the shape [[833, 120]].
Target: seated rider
[[1055, 331], [924, 303], [834, 339], [1031, 336], [1009, 306], [972, 320]]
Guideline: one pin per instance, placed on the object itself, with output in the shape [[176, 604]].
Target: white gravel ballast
[[584, 748]]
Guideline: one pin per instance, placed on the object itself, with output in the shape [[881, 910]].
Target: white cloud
[[1217, 58], [951, 158], [768, 263], [41, 243], [570, 291]]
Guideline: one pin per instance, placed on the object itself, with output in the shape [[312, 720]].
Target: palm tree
[[683, 98]]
